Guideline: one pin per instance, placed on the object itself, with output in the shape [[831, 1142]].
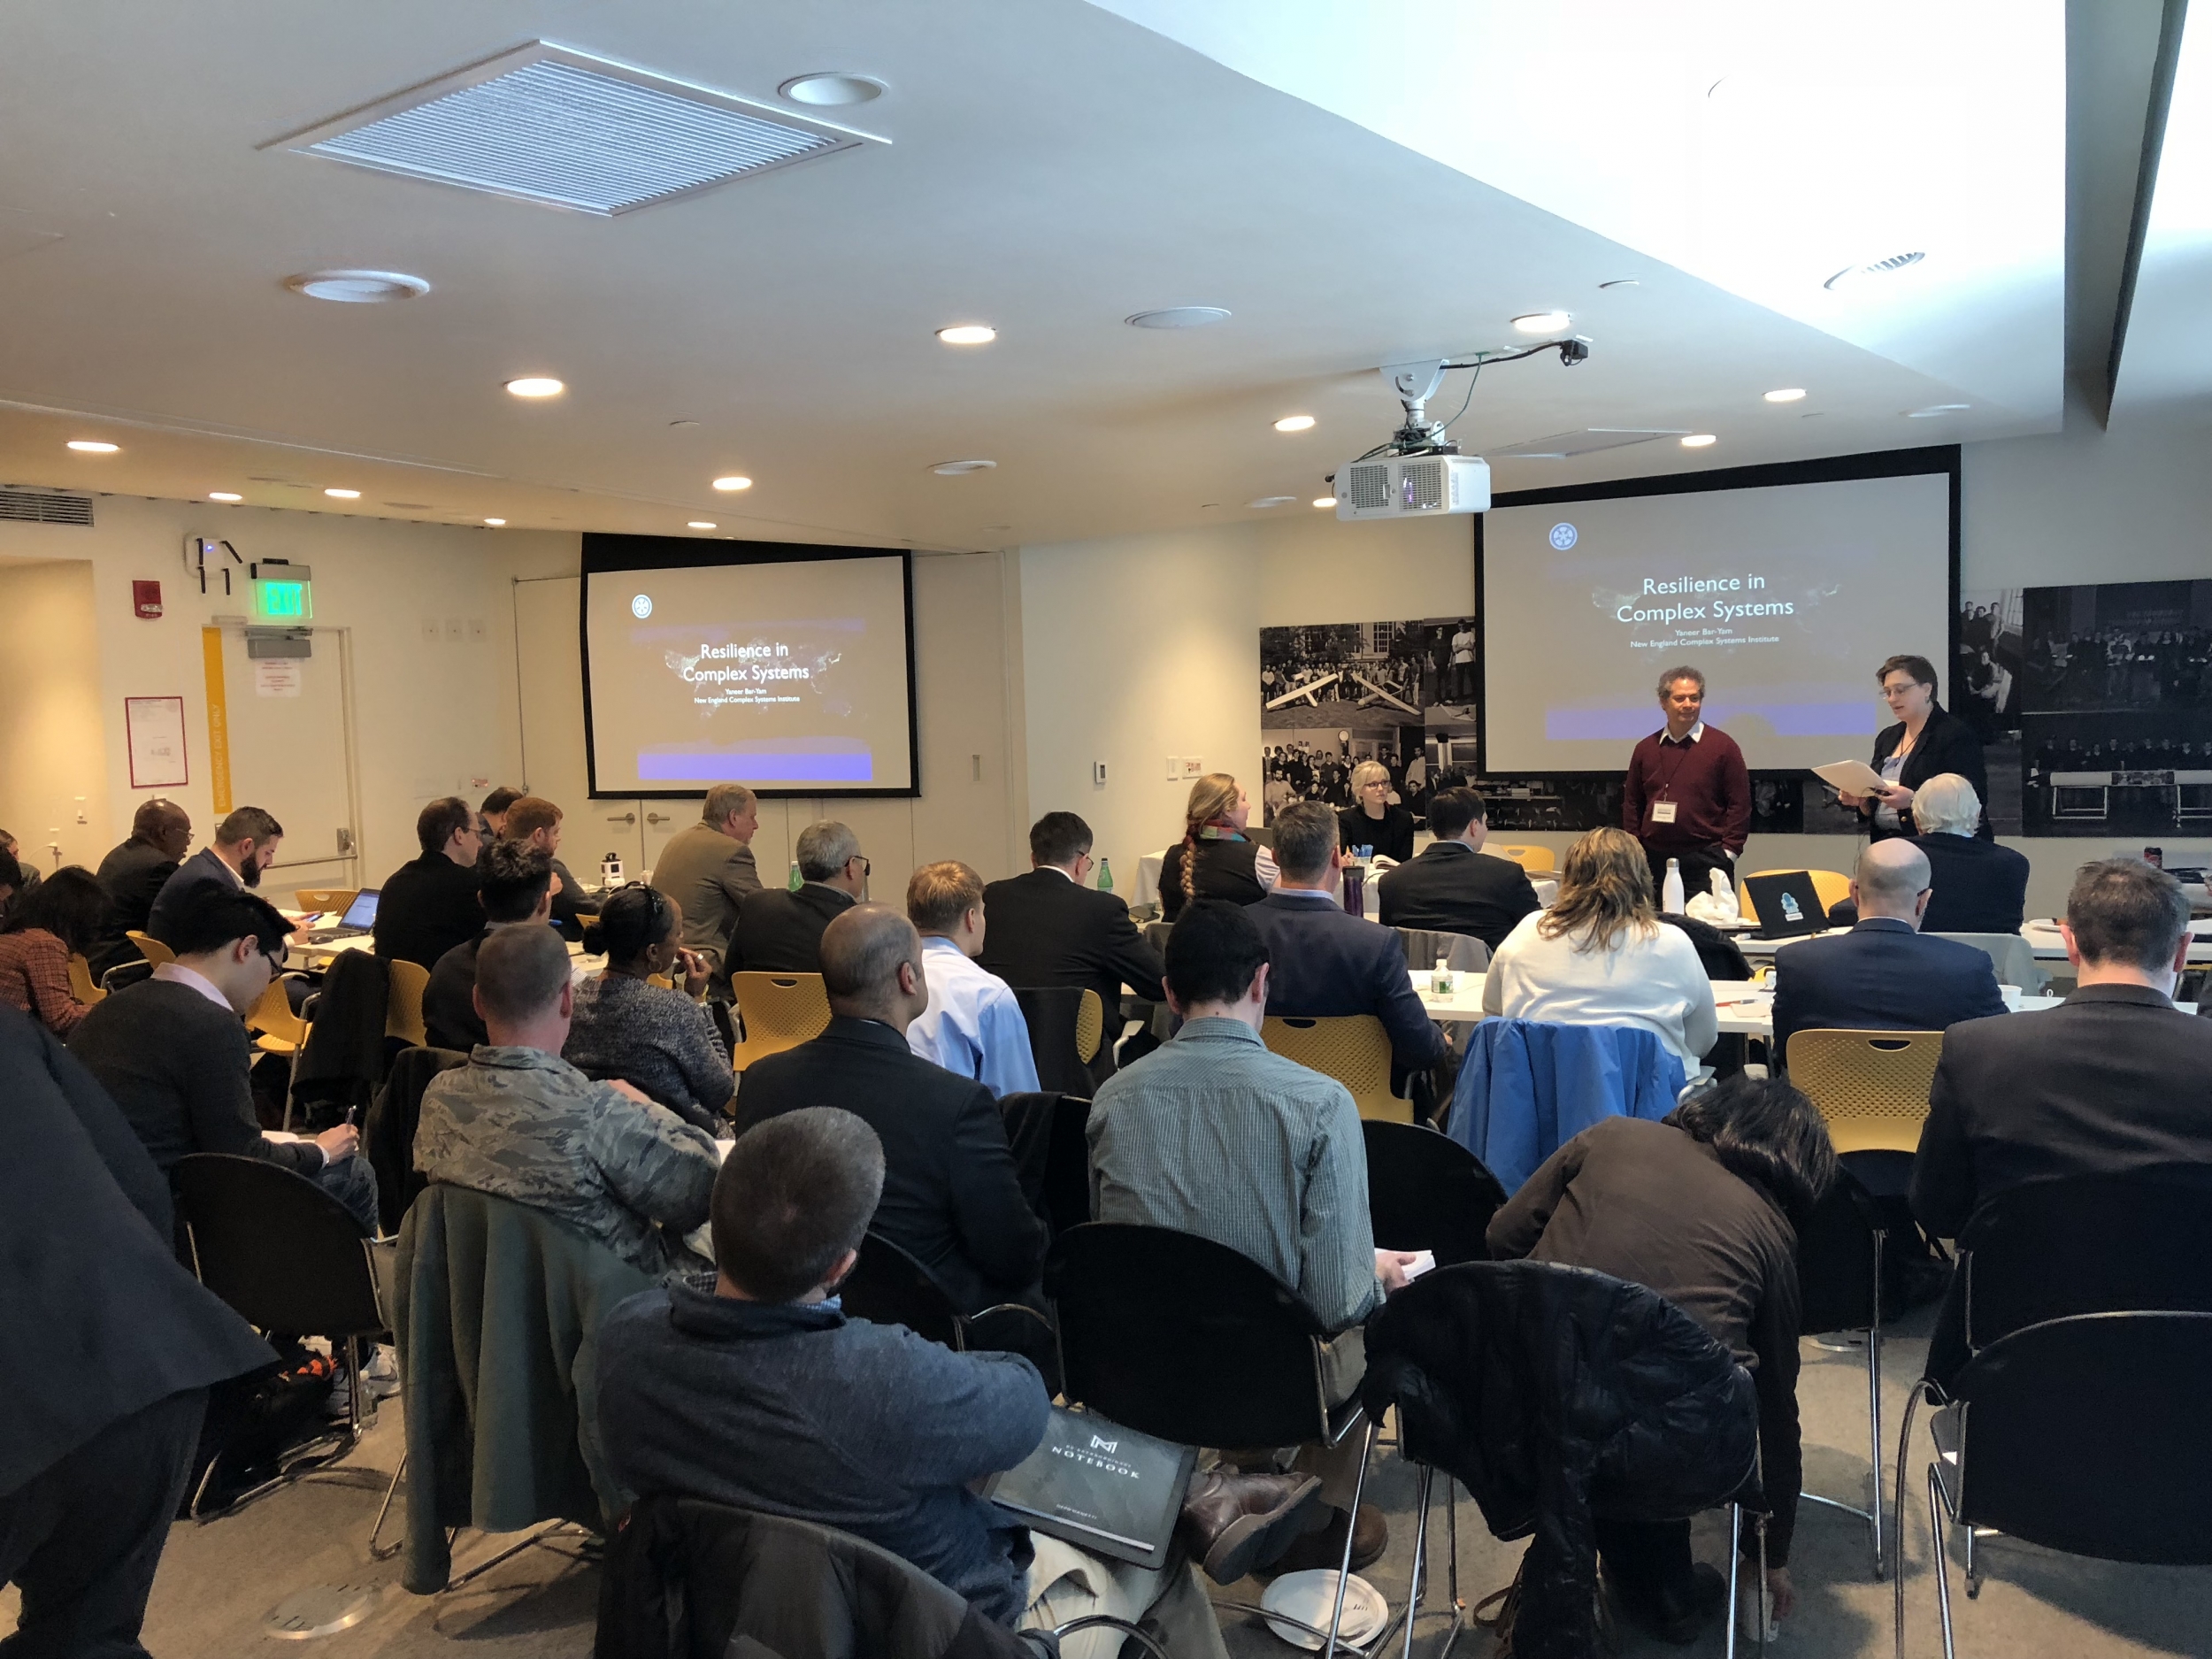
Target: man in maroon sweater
[[1688, 793]]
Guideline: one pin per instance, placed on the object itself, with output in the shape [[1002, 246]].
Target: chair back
[[271, 1017], [1138, 1305], [150, 948], [780, 1011], [889, 1286], [1155, 935], [1528, 1086], [2011, 956], [1529, 858], [284, 1254], [1870, 1086], [1090, 1026], [1353, 1049], [1053, 1015], [80, 984], [402, 1006], [2085, 1244], [1837, 1249], [2086, 1435], [337, 900], [1426, 1192], [387, 1130], [1831, 887], [1067, 1184], [1464, 953]]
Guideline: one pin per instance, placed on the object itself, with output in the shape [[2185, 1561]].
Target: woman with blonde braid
[[1600, 956], [1215, 860]]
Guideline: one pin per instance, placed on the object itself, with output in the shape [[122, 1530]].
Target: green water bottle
[[796, 880], [1105, 877]]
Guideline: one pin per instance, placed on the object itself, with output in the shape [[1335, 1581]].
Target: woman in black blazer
[[1926, 740]]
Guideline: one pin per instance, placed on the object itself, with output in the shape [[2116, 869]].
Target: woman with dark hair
[[1216, 859], [653, 1037], [58, 918], [1704, 1209], [1927, 740]]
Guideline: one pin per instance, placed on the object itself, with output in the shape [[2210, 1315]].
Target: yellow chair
[[150, 948], [1353, 1049], [1530, 859], [403, 1004], [336, 900], [1870, 1086], [780, 1011], [277, 1029], [1829, 887], [1090, 1028], [80, 984]]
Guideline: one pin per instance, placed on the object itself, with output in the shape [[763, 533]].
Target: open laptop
[[359, 919], [1787, 905]]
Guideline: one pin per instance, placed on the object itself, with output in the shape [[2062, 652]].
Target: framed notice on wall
[[155, 727]]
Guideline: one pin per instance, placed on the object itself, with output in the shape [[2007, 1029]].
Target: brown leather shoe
[[1371, 1536], [1236, 1523]]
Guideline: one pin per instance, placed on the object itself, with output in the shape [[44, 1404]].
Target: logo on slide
[[1563, 537], [641, 607]]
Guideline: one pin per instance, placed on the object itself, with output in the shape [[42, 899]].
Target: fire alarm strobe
[[145, 600]]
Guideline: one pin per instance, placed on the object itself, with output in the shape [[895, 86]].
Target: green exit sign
[[282, 591]]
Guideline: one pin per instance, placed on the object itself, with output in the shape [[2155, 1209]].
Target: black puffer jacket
[[1557, 1394]]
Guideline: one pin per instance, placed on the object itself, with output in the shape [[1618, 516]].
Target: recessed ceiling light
[[735, 480], [703, 524], [536, 385], [1271, 501], [224, 494], [968, 334], [961, 469], [1895, 263], [1294, 423], [1324, 500], [495, 523], [344, 495], [357, 288], [832, 91], [1542, 322], [1698, 441], [93, 446], [1178, 317], [1785, 395], [1935, 410]]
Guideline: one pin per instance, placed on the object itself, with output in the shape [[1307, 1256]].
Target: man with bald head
[[950, 1195], [1884, 974]]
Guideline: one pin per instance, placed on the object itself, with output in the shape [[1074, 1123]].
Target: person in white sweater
[[1600, 956]]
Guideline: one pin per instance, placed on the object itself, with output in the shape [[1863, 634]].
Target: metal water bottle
[[1671, 893]]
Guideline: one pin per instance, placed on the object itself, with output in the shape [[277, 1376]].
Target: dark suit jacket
[[428, 906], [202, 868], [1043, 929], [2114, 1078], [779, 932], [1976, 886], [1451, 889], [101, 1321], [449, 1002], [1947, 744], [950, 1197], [1880, 976], [1324, 962], [132, 877], [571, 905]]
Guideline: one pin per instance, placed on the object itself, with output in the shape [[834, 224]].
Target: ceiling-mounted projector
[[1419, 472]]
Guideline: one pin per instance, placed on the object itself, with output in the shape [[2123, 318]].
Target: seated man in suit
[[2115, 1079], [780, 931], [133, 874], [535, 821], [245, 845], [1454, 886], [1048, 929], [1978, 886], [515, 885], [1214, 1134], [709, 871], [951, 1199], [972, 1025], [520, 1122], [428, 904], [1328, 962], [1884, 975]]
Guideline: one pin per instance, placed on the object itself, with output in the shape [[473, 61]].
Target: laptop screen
[[362, 911]]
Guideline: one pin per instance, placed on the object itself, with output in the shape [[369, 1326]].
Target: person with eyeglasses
[[780, 931], [428, 905], [1926, 742]]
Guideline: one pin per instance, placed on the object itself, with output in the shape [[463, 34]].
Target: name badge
[[1663, 812]]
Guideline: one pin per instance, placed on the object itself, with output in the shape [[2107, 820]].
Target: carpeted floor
[[219, 1582]]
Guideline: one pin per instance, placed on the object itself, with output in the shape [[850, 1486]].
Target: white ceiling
[[1050, 168], [2169, 358]]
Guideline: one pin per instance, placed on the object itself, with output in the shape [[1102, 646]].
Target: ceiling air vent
[[1562, 446], [43, 506], [543, 123]]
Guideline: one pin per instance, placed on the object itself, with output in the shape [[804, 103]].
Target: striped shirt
[[1215, 1134]]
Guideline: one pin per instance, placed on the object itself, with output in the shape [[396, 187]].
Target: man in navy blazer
[[1884, 974], [1322, 962]]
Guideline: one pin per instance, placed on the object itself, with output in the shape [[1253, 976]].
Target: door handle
[[627, 818], [657, 817]]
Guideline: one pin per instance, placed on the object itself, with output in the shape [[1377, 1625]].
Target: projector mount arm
[[1415, 382]]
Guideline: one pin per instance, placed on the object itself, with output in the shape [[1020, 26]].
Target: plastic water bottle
[[1105, 877], [1671, 894], [796, 880], [1440, 981]]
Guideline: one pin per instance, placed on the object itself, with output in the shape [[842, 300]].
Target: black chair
[[285, 1256], [1051, 1012], [1426, 1192], [388, 1134], [1067, 1184], [2083, 1434], [889, 1286], [1839, 1282], [1136, 1304]]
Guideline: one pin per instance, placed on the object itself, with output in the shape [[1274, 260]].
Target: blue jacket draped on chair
[[1528, 1087]]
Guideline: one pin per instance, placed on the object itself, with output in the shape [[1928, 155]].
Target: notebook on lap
[[1787, 905], [1106, 1488]]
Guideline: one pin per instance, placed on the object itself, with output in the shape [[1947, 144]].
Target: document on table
[[1853, 777]]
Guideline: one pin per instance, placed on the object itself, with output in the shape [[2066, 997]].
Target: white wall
[[51, 774]]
